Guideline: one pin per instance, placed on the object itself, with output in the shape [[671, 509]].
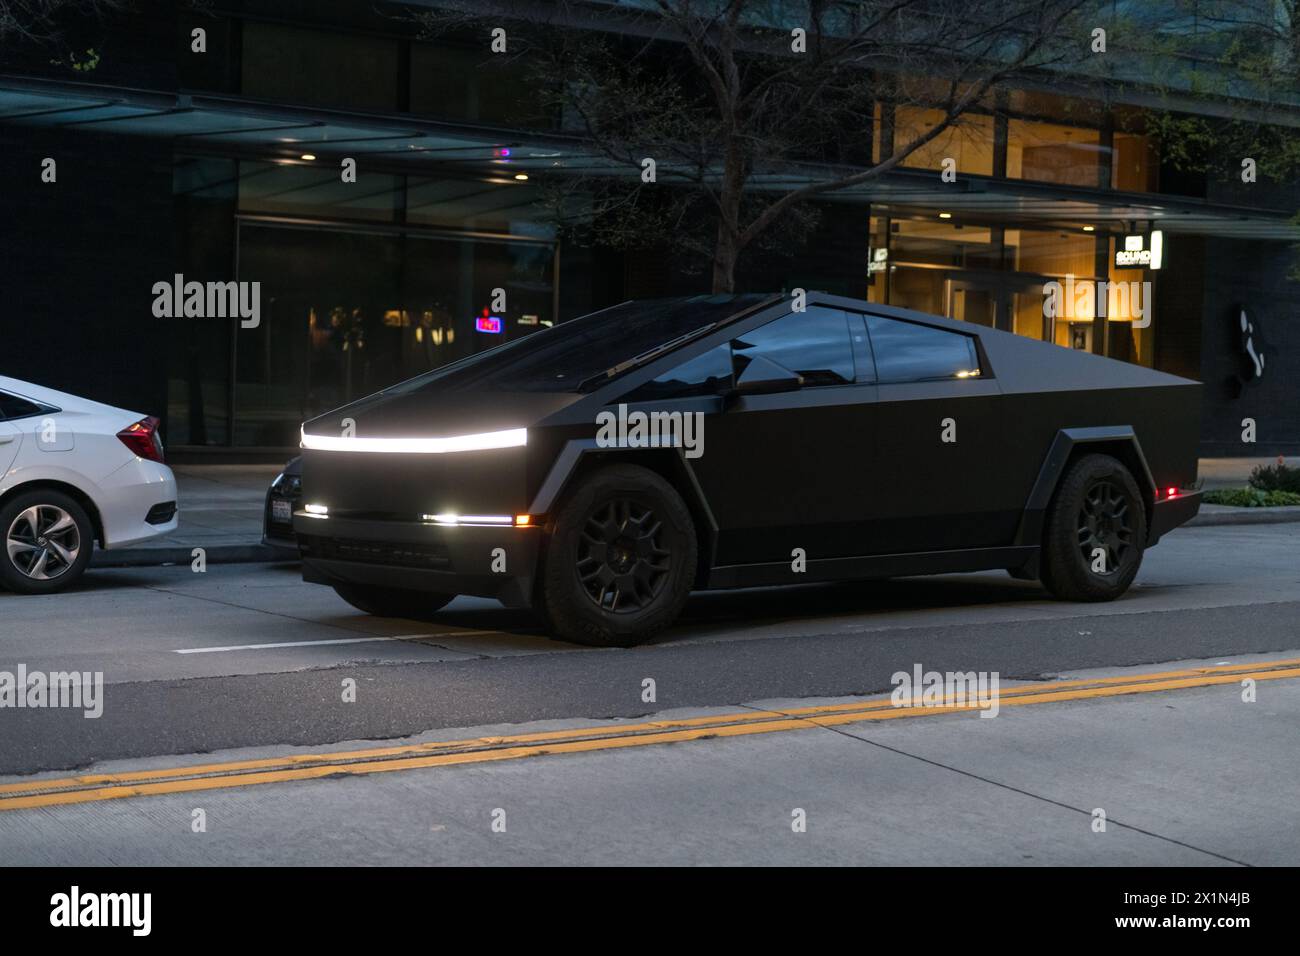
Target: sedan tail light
[[142, 438]]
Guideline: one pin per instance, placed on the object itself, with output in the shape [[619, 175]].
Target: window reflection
[[345, 314], [907, 352], [1052, 153], [969, 140], [814, 343]]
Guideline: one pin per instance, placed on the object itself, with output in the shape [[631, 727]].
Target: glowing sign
[[1141, 251], [490, 324]]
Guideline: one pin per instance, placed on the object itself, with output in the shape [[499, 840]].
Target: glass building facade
[[229, 167]]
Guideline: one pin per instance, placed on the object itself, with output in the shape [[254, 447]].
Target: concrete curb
[[1211, 515], [218, 554]]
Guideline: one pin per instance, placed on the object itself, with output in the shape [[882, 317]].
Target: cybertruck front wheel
[[620, 559], [48, 538], [393, 602], [1096, 531]]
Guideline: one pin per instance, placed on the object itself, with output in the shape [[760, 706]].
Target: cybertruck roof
[[555, 376]]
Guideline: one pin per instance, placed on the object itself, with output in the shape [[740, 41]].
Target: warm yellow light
[[521, 176], [945, 215], [1088, 228], [308, 156], [522, 520]]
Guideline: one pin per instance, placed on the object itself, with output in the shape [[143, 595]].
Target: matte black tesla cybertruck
[[847, 440]]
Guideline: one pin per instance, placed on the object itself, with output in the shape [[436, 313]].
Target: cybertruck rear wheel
[[393, 602], [620, 560], [1096, 531], [47, 542]]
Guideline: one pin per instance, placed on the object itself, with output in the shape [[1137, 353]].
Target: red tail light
[[142, 438]]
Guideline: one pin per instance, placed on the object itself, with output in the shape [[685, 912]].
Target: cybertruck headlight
[[509, 438]]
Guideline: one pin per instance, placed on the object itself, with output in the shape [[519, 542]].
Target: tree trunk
[[725, 254], [726, 250]]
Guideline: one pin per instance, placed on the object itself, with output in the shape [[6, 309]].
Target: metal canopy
[[246, 127]]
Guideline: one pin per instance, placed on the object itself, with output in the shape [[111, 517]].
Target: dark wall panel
[[79, 258], [1254, 275]]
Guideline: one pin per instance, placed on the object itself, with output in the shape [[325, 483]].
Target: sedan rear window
[[11, 406]]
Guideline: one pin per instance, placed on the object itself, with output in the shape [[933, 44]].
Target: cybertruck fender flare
[[577, 450], [1053, 468]]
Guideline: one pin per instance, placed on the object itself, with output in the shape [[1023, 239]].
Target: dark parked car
[[847, 440], [282, 500]]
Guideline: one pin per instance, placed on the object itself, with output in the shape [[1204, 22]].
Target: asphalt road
[[245, 662], [247, 655]]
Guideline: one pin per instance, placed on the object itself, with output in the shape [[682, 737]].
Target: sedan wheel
[[47, 542]]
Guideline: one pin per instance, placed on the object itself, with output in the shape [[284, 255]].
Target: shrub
[[1279, 477], [1250, 498]]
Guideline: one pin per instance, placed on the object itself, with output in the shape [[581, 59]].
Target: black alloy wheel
[[619, 558], [622, 562], [1095, 531]]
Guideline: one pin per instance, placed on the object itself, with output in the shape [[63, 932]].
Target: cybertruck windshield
[[575, 355]]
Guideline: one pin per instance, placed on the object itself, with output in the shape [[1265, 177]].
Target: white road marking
[[342, 640]]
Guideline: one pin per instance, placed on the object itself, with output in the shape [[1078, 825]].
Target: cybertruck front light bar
[[510, 438]]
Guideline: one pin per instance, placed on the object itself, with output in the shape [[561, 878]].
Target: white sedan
[[73, 472]]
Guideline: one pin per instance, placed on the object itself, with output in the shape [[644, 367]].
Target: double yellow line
[[245, 773]]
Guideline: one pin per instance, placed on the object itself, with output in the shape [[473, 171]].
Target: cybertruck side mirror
[[762, 376]]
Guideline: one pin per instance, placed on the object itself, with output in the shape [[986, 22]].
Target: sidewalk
[[221, 512], [1234, 472]]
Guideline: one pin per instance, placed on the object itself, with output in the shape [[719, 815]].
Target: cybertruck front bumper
[[483, 561]]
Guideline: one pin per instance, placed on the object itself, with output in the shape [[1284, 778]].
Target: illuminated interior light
[[1089, 228], [1157, 249], [509, 438], [521, 176], [308, 156], [945, 215]]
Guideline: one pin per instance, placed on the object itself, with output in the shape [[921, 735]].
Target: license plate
[[282, 511]]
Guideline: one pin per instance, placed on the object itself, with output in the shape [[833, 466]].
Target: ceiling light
[[308, 156], [945, 215]]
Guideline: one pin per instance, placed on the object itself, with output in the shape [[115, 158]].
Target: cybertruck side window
[[705, 374], [815, 343], [908, 352]]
